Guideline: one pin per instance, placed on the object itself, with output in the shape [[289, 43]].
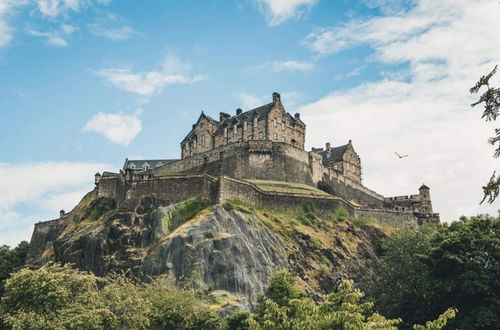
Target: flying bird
[[400, 155]]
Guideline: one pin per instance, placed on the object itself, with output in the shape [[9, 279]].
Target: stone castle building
[[268, 122]]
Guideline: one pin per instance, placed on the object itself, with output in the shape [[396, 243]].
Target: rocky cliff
[[233, 247]]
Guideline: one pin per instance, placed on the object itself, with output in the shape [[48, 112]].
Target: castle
[[257, 156]]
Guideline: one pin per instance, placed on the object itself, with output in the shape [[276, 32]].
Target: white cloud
[[7, 9], [54, 38], [447, 44], [148, 83], [116, 34], [118, 128], [279, 11], [44, 188], [291, 65], [249, 101]]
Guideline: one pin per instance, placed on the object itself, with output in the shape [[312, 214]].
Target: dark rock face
[[226, 249]]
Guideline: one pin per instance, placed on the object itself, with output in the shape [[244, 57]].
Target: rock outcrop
[[232, 247]]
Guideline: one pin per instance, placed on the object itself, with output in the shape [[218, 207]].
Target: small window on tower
[[245, 125], [282, 125], [225, 132], [255, 122], [235, 129], [261, 135], [275, 123]]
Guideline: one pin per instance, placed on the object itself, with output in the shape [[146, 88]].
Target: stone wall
[[264, 160], [336, 184], [43, 235], [324, 205], [174, 189]]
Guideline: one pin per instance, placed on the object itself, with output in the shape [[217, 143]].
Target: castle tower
[[97, 178], [424, 191]]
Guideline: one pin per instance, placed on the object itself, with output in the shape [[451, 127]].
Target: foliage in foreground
[[425, 269], [490, 99], [10, 259], [286, 307], [59, 297]]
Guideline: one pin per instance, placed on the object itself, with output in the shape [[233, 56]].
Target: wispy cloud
[[279, 11], [118, 128], [148, 83], [7, 9], [46, 186], [281, 66], [249, 101], [446, 45], [291, 66], [55, 37], [55, 8], [116, 34]]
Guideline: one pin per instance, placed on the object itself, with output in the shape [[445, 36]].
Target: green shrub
[[238, 205], [340, 214], [305, 214]]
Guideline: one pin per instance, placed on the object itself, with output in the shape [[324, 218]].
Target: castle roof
[[143, 164], [227, 119], [423, 186], [334, 155]]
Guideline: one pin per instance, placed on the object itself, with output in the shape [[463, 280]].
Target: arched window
[[235, 129], [255, 120], [245, 125]]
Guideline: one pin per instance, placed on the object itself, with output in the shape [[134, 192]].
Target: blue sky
[[86, 83]]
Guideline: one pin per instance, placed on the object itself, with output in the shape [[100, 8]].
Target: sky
[[86, 83]]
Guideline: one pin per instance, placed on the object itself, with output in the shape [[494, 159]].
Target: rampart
[[268, 160], [324, 205], [43, 235]]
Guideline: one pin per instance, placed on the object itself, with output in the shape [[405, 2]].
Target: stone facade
[[342, 159], [269, 122]]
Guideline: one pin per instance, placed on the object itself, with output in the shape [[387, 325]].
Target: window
[[275, 136], [261, 135], [194, 144], [245, 125], [235, 129], [145, 167], [202, 125], [283, 139], [225, 132], [282, 125], [275, 123], [202, 140], [132, 166], [255, 122], [335, 167]]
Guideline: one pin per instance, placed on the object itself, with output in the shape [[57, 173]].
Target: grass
[[186, 211], [287, 187], [360, 221]]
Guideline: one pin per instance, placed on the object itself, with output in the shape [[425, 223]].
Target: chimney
[[327, 146], [238, 111], [276, 98], [297, 116], [61, 214]]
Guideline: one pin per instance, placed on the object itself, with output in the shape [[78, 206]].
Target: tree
[[285, 306], [426, 270], [491, 100], [178, 309], [11, 259], [59, 297], [465, 261], [404, 288]]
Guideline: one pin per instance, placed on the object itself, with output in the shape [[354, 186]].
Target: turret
[[97, 178], [61, 214], [425, 191]]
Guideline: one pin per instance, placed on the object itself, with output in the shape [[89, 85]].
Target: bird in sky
[[400, 155]]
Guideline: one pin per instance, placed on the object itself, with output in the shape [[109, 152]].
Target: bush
[[340, 214], [360, 221]]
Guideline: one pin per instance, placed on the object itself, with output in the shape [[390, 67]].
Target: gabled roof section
[[202, 116], [334, 154]]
